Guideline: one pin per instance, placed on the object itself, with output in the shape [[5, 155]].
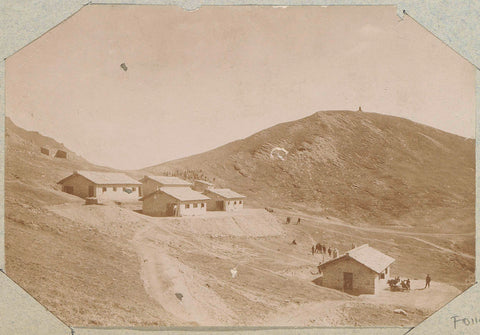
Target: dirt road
[[394, 232], [274, 284]]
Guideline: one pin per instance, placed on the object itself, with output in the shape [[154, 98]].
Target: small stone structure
[[361, 270], [61, 154]]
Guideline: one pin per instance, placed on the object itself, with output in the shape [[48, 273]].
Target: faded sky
[[197, 80]]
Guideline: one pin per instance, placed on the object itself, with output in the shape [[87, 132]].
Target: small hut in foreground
[[362, 270]]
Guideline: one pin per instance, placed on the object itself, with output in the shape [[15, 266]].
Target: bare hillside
[[111, 265], [24, 162], [362, 167], [82, 276]]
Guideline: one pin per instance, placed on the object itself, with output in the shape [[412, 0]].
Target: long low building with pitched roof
[[362, 270], [102, 185], [224, 199], [175, 201], [151, 184]]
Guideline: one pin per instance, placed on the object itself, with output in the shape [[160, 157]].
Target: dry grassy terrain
[[368, 168], [111, 265]]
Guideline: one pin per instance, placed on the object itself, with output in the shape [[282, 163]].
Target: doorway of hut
[[347, 281], [91, 191]]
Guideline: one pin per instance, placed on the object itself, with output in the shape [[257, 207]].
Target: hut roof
[[179, 193], [226, 193], [104, 178], [367, 256], [203, 182], [168, 180]]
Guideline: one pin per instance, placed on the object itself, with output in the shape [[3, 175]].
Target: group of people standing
[[320, 248]]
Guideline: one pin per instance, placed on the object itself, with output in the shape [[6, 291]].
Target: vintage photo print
[[240, 166]]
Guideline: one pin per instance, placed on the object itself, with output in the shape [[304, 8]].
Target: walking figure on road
[[313, 250], [298, 221], [427, 281]]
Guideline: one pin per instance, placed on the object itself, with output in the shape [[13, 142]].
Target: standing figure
[[288, 220], [324, 249], [427, 281], [298, 221], [408, 284], [329, 252], [313, 250]]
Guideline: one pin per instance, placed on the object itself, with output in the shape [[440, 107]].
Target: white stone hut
[[175, 201], [363, 270], [101, 185], [224, 199], [151, 184]]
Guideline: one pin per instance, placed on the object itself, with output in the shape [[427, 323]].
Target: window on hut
[[104, 189]]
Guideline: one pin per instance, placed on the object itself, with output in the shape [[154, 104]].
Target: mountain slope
[[24, 161], [111, 265], [68, 266], [365, 167]]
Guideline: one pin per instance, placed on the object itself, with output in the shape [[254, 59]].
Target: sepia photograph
[[232, 166]]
